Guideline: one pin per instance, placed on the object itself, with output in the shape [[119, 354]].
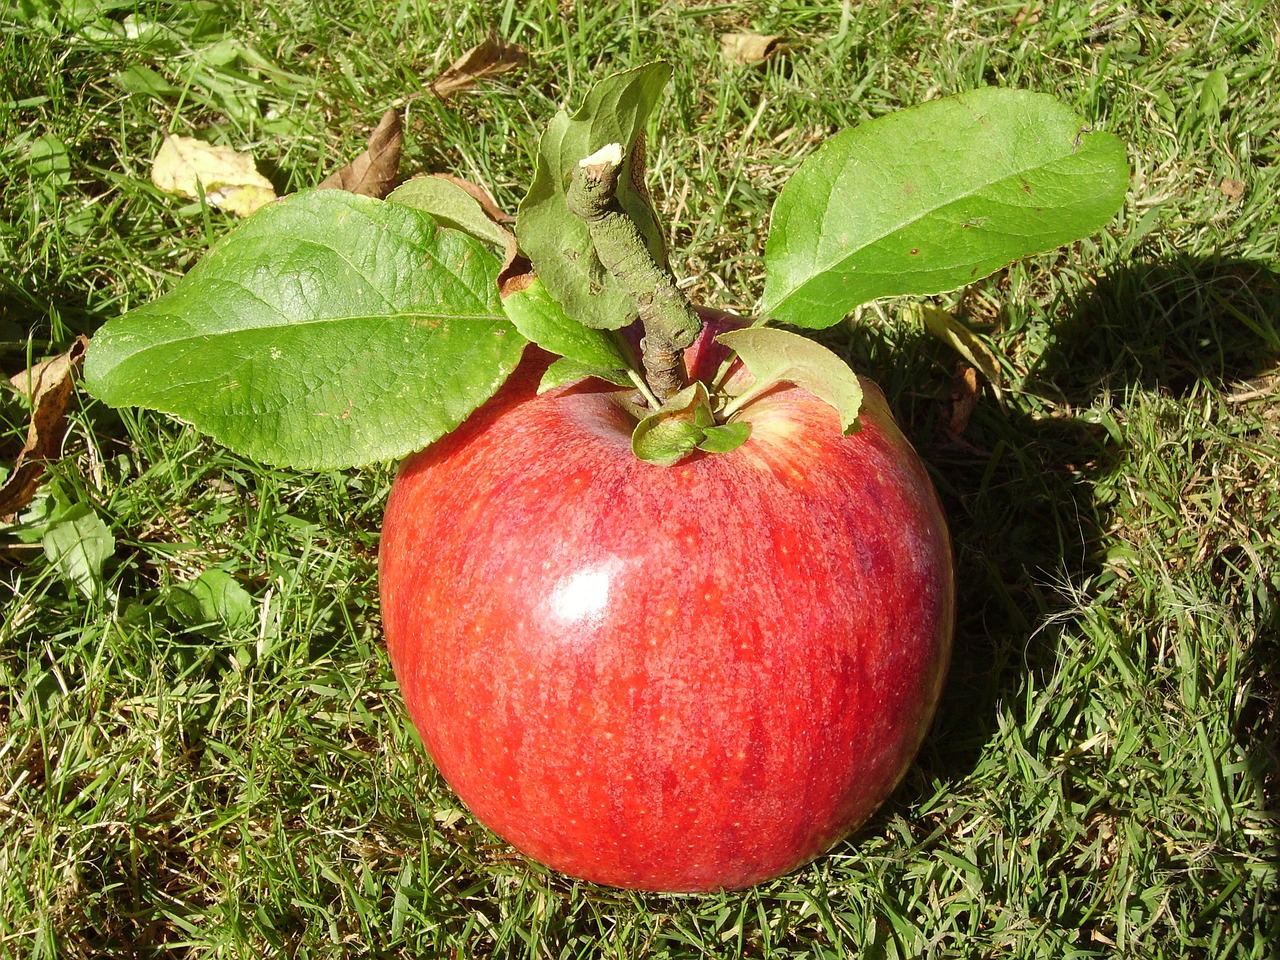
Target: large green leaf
[[554, 239], [329, 330], [932, 198]]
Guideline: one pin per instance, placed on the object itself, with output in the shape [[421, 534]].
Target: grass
[[1103, 778]]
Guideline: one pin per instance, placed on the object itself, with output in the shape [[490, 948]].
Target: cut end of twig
[[610, 155]]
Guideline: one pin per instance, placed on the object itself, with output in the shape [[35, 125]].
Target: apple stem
[[670, 322]]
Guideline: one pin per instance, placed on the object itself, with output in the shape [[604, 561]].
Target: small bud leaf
[[675, 431], [776, 356], [725, 438]]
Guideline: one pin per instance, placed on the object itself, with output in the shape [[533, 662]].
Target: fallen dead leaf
[[187, 167], [1233, 189], [374, 172], [749, 49], [48, 386], [961, 401], [947, 328], [1026, 16], [489, 59]]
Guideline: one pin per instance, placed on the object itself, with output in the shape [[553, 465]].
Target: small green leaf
[[539, 318], [450, 206], [564, 371], [1214, 94], [777, 356], [725, 438], [675, 431], [933, 198], [144, 80], [49, 161], [329, 330], [50, 505], [665, 442], [555, 240], [214, 597], [79, 545]]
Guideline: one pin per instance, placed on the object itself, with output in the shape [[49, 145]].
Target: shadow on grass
[[1167, 326], [1173, 327], [1027, 519]]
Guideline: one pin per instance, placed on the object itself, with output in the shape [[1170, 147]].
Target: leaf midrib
[[290, 324]]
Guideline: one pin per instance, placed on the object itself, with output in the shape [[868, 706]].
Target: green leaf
[[144, 80], [79, 544], [564, 371], [49, 161], [675, 431], [539, 318], [725, 438], [665, 441], [50, 505], [935, 197], [777, 356], [555, 240], [1214, 94], [214, 597], [329, 330], [451, 206]]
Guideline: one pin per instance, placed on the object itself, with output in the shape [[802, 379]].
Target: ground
[[1103, 777]]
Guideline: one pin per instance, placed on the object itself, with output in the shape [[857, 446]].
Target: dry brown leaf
[[481, 196], [947, 328], [49, 387], [1233, 189], [960, 404], [1026, 16], [749, 49], [489, 59], [516, 273], [374, 172]]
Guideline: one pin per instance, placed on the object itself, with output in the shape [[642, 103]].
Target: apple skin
[[678, 679]]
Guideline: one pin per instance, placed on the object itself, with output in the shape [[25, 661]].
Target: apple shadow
[[1021, 489]]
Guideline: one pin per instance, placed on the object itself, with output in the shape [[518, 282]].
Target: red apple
[[683, 678]]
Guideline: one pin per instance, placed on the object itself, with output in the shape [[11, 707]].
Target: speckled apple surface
[[686, 678]]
